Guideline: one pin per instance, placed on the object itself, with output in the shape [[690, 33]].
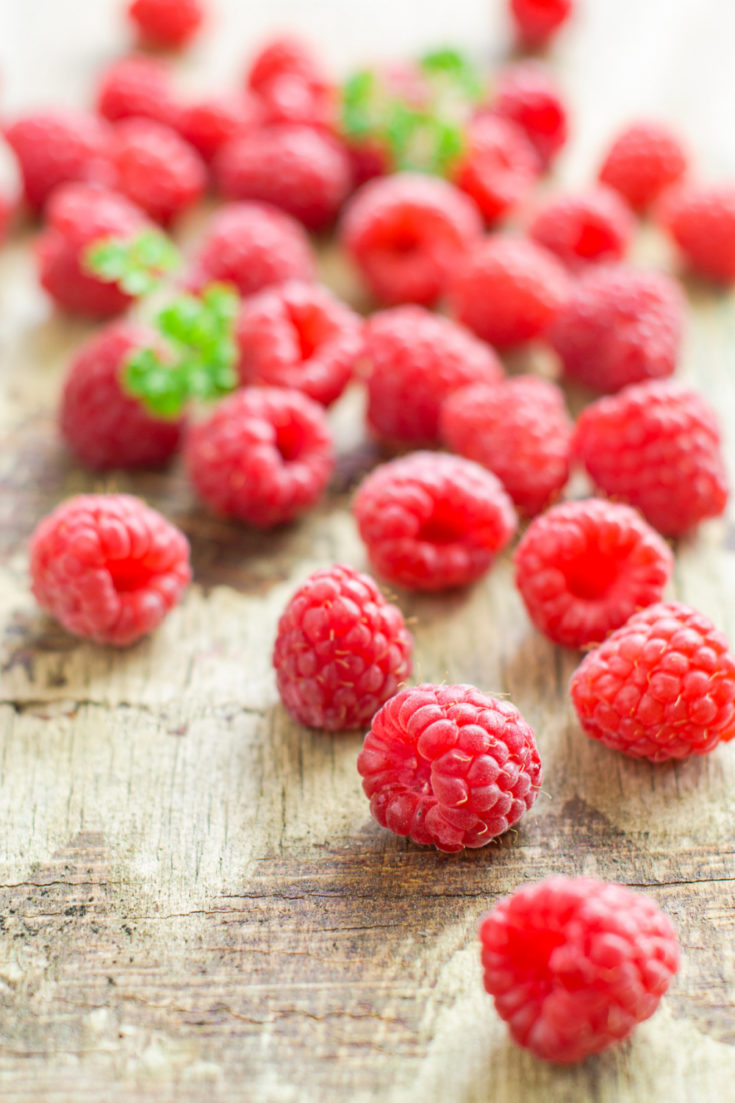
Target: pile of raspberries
[[473, 452]]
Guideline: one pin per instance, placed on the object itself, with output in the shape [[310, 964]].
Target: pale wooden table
[[195, 904]]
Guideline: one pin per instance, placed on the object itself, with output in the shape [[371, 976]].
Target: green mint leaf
[[137, 264], [453, 68], [106, 259], [159, 386], [358, 103]]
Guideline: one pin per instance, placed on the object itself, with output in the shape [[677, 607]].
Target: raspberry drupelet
[[138, 87], [498, 168], [166, 23], [583, 229], [59, 147], [700, 219], [643, 160], [157, 169], [341, 650], [527, 94]]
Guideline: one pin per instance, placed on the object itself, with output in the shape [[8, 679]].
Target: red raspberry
[[166, 23], [252, 246], [58, 147], [526, 93], [291, 84], [104, 426], [79, 214], [209, 124], [583, 568], [341, 650], [433, 521], [108, 567], [139, 88], [700, 219], [538, 21], [498, 168], [508, 290], [406, 234], [301, 170], [519, 430], [621, 325], [415, 360], [657, 446], [263, 456], [157, 169], [299, 336], [574, 964], [284, 55], [642, 162], [661, 687], [7, 209], [589, 228], [449, 766]]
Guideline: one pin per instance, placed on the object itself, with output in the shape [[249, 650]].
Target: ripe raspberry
[[583, 568], [642, 162], [406, 233], [498, 168], [449, 766], [108, 567], [620, 325], [538, 21], [415, 361], [58, 147], [166, 23], [589, 228], [433, 521], [209, 124], [263, 456], [104, 426], [661, 687], [303, 171], [526, 93], [519, 430], [299, 336], [574, 964], [341, 650], [508, 290], [252, 246], [157, 169], [291, 84], [700, 219], [657, 446], [7, 209], [138, 88]]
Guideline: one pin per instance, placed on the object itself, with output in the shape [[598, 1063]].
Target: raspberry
[[415, 360], [433, 521], [526, 94], [498, 168], [589, 228], [661, 687], [79, 214], [620, 326], [108, 567], [574, 964], [140, 88], [58, 147], [291, 84], [583, 568], [7, 209], [298, 336], [657, 446], [538, 21], [406, 233], [341, 650], [642, 162], [282, 56], [519, 430], [508, 290], [263, 456], [157, 169], [700, 219], [449, 766], [103, 426], [166, 23], [252, 246], [209, 124]]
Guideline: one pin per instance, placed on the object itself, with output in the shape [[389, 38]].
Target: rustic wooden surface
[[195, 904]]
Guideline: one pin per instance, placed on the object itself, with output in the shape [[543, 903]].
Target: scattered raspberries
[[291, 85], [415, 361], [108, 567], [138, 88], [167, 23], [59, 147], [433, 521], [657, 446], [574, 964], [583, 568], [537, 21], [209, 124], [263, 456], [449, 766], [527, 94], [157, 169], [620, 325], [298, 335], [592, 227], [341, 650], [642, 162], [498, 168], [519, 430], [700, 219]]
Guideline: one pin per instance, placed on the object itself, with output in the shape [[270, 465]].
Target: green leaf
[[359, 105], [137, 264], [455, 69]]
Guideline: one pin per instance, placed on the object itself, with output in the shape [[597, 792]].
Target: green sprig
[[137, 264]]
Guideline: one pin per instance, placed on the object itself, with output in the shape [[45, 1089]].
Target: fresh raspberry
[[591, 227], [79, 214], [58, 147], [527, 94], [166, 23], [263, 456], [519, 430], [432, 521], [661, 687], [642, 162], [138, 88], [157, 169], [282, 56], [7, 209], [291, 84], [406, 233], [301, 170], [621, 325], [583, 568], [508, 290], [108, 567], [415, 361], [341, 650], [253, 246], [574, 964], [498, 168], [656, 445], [103, 425], [538, 21], [299, 336], [449, 766], [700, 219], [209, 124]]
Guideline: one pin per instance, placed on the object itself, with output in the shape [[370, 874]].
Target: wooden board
[[195, 904]]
